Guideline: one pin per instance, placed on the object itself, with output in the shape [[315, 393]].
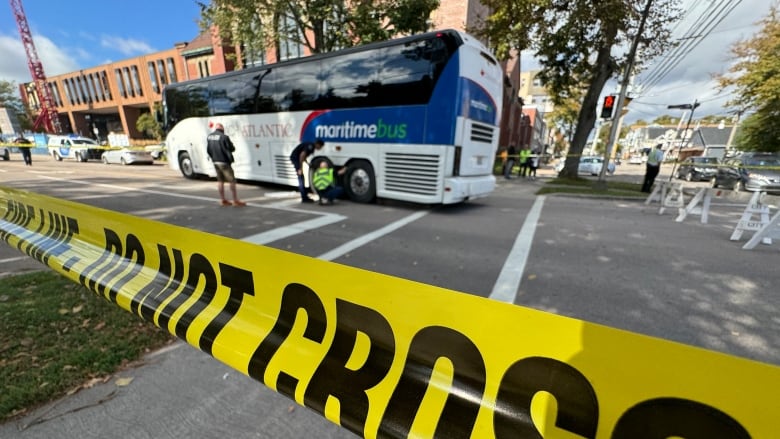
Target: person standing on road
[[298, 158], [220, 149], [525, 161], [25, 148], [653, 166], [325, 184], [533, 164], [510, 161]]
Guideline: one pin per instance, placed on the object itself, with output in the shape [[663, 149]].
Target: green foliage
[[574, 43], [756, 79], [55, 336], [148, 125], [10, 99], [666, 119], [319, 25], [760, 131]]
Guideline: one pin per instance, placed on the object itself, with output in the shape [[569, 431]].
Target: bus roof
[[458, 35]]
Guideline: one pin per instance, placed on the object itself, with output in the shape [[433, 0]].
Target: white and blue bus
[[413, 119]]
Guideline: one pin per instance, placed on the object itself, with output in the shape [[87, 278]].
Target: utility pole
[[621, 97]]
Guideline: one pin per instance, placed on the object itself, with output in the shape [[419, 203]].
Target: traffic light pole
[[621, 97]]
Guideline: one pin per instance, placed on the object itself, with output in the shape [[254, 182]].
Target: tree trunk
[[604, 68]]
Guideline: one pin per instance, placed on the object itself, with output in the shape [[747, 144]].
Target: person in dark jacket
[[220, 149], [298, 158], [25, 148]]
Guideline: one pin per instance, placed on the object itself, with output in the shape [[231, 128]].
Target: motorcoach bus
[[413, 119]]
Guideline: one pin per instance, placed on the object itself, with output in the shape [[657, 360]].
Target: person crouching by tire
[[325, 184]]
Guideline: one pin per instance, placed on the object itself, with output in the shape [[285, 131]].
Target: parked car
[[637, 159], [74, 147], [750, 171], [698, 168], [127, 156], [588, 165], [157, 151]]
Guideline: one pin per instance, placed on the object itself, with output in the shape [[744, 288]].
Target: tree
[[9, 98], [580, 42], [319, 25], [149, 126], [756, 79], [666, 119]]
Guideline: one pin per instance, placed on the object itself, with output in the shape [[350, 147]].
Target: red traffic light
[[609, 105]]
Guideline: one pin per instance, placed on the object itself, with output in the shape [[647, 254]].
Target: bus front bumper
[[457, 189]]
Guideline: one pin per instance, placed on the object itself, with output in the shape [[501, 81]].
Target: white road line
[[260, 238], [20, 258], [365, 239], [293, 229], [508, 282]]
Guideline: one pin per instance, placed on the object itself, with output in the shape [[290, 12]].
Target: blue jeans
[[331, 192]]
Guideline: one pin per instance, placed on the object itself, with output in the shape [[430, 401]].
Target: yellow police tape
[[387, 357]]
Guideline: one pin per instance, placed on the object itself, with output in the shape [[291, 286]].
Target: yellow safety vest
[[323, 177]]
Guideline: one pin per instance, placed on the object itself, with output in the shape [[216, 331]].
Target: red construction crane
[[48, 116]]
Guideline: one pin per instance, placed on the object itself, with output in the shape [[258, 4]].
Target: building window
[[171, 70], [137, 81], [537, 82], [203, 68], [161, 71], [120, 83], [55, 91], [94, 80], [289, 48], [90, 87], [69, 92], [153, 76], [81, 91], [127, 82], [104, 83]]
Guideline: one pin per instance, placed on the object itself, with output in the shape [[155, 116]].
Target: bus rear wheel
[[185, 165], [360, 183]]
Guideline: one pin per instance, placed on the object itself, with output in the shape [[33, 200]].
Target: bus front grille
[[482, 133], [412, 173]]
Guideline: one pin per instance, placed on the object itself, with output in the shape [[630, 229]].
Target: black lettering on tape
[[578, 409], [333, 378], [87, 277], [662, 418], [158, 284], [30, 242], [134, 254], [295, 297], [25, 234], [241, 283], [150, 309], [200, 267], [468, 384]]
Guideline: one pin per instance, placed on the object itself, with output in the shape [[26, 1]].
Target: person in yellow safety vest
[[525, 162], [325, 184]]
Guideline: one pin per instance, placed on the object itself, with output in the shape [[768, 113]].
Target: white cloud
[[15, 68], [127, 46]]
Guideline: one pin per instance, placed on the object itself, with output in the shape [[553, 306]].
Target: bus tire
[[360, 183], [185, 166]]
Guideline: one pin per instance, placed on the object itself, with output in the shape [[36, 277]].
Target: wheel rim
[[186, 165], [359, 182], [688, 176]]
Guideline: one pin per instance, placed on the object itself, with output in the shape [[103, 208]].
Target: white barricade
[[704, 197], [756, 207], [765, 234]]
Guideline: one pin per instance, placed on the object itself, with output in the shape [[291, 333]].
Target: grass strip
[[55, 336]]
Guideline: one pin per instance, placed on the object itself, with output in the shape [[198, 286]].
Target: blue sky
[[75, 34]]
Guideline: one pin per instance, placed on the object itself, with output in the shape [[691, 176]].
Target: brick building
[[108, 99]]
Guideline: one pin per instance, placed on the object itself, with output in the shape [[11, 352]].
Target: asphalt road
[[614, 262]]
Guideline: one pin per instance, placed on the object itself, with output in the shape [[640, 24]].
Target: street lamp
[[691, 107]]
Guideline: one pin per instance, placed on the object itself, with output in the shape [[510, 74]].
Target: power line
[[696, 33]]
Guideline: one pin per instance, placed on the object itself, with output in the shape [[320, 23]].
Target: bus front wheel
[[185, 165], [360, 182]]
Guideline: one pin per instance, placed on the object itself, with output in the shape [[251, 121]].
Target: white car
[[588, 165], [157, 151], [127, 156]]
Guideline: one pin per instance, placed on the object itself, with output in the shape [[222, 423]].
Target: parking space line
[[293, 229], [508, 282], [365, 239], [20, 258]]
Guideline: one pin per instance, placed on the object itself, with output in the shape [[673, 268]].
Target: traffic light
[[609, 105]]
